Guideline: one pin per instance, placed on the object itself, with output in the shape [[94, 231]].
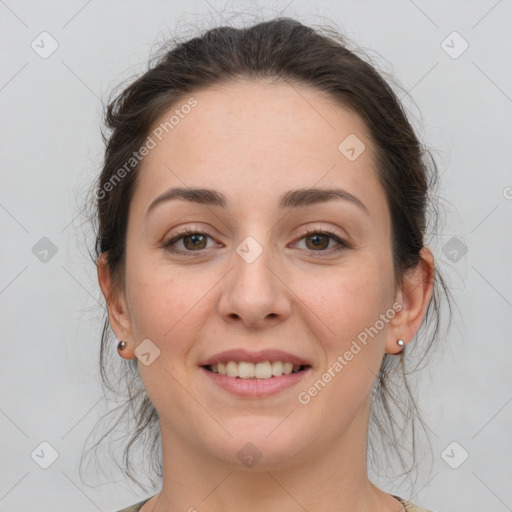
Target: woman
[[262, 214]]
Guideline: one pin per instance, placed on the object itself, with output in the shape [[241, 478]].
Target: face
[[264, 272]]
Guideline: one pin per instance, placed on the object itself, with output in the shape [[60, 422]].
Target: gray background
[[50, 149]]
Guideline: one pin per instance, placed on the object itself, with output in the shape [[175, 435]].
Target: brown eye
[[191, 241], [318, 241], [197, 241]]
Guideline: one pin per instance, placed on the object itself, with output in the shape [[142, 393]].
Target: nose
[[255, 291]]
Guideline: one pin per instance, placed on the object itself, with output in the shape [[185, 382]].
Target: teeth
[[277, 368], [262, 370], [247, 370], [232, 369]]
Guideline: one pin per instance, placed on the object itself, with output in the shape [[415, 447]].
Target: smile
[[255, 380], [261, 370]]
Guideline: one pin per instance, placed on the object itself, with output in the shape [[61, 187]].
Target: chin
[[261, 445]]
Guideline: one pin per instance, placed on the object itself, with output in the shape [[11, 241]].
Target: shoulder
[[411, 507], [136, 507]]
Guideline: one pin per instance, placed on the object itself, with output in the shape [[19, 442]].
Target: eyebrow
[[291, 199]]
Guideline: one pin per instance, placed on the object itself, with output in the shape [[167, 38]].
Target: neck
[[330, 477]]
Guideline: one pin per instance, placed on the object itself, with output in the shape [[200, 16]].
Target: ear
[[119, 317], [414, 296]]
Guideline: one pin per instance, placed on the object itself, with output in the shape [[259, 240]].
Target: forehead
[[256, 137], [281, 116]]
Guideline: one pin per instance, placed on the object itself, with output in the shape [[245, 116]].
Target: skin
[[252, 141]]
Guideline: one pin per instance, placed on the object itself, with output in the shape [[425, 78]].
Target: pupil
[[317, 240], [194, 239]]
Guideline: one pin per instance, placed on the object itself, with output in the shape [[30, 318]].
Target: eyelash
[[343, 244]]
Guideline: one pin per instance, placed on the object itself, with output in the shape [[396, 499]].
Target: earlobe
[[414, 296], [125, 351], [118, 313]]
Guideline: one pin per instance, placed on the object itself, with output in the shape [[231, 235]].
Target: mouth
[[259, 370], [255, 374]]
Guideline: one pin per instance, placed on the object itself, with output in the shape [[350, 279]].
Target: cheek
[[168, 306], [352, 335], [349, 306], [347, 300], [156, 301]]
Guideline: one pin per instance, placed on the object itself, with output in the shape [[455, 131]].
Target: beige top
[[409, 507]]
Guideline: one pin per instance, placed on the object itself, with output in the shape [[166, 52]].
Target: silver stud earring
[[401, 343], [122, 345]]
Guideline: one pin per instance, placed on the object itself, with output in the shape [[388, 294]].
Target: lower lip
[[255, 387]]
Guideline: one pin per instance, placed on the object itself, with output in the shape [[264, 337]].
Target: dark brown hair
[[282, 49]]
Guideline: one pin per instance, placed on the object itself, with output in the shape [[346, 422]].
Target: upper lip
[[240, 354]]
